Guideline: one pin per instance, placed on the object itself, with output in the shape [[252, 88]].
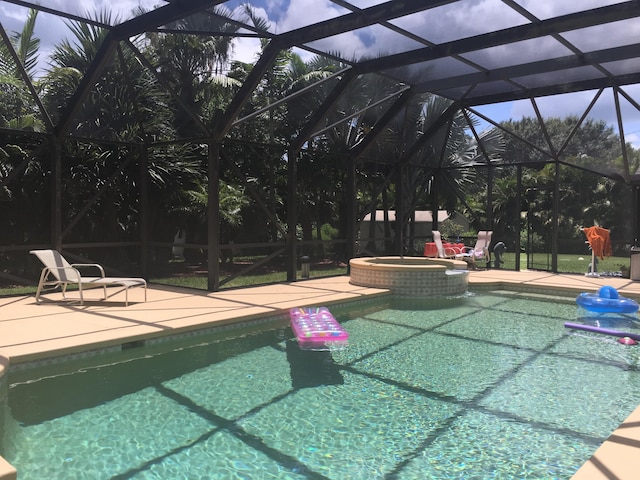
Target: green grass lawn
[[17, 290], [200, 282], [567, 263]]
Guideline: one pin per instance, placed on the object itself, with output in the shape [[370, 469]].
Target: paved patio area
[[30, 331]]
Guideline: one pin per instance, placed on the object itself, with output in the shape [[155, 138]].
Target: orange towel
[[599, 240]]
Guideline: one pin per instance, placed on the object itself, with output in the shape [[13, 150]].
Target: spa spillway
[[411, 276]]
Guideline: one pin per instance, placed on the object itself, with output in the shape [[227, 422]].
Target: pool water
[[483, 386]]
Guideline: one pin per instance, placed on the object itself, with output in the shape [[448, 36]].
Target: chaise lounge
[[57, 272], [470, 255], [480, 252]]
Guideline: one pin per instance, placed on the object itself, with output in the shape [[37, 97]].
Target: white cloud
[[548, 8], [246, 49], [300, 13], [450, 22], [119, 8], [633, 139]]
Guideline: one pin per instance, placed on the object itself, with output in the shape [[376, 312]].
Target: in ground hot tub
[[411, 276]]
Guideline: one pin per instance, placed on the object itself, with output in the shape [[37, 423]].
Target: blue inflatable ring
[[607, 300]]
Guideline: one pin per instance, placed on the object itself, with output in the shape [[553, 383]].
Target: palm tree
[[438, 175], [191, 209], [18, 109], [194, 66], [22, 179], [128, 106], [25, 47]]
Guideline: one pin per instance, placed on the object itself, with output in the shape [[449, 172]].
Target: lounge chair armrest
[[66, 274], [451, 251], [94, 265]]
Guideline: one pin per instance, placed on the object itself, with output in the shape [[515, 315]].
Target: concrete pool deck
[[31, 332]]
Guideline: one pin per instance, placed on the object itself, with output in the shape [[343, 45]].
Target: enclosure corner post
[[401, 211], [56, 193], [518, 218], [352, 210], [213, 218], [636, 214], [143, 215], [555, 218], [292, 215], [435, 207]]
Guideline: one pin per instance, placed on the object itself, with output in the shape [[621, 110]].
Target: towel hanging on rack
[[599, 240]]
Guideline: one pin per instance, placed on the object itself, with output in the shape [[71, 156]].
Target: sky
[[286, 15]]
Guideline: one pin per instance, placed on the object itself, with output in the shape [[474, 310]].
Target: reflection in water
[[615, 321], [311, 368]]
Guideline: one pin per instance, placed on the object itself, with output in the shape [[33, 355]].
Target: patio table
[[430, 249]]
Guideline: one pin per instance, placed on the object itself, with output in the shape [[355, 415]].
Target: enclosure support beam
[[213, 218], [555, 218], [555, 209], [292, 215], [434, 200], [636, 214], [517, 245], [353, 21], [623, 142], [401, 210], [352, 210], [490, 169], [56, 192], [143, 214], [519, 33]]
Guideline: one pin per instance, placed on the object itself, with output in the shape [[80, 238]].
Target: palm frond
[[25, 47], [28, 45]]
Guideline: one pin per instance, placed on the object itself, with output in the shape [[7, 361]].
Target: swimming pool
[[483, 386]]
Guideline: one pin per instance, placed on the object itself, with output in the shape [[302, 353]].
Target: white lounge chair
[[471, 255], [445, 252], [480, 251], [57, 272]]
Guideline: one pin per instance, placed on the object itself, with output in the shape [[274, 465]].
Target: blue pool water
[[484, 386]]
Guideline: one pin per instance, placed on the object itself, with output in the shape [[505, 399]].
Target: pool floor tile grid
[[262, 428]]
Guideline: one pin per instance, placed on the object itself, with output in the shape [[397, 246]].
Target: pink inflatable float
[[316, 329]]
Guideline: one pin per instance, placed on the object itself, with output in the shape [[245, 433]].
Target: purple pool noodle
[[604, 331]]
